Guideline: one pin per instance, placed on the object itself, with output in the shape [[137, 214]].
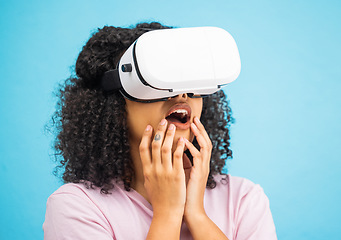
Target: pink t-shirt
[[239, 208]]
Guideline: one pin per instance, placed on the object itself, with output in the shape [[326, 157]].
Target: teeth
[[183, 112]]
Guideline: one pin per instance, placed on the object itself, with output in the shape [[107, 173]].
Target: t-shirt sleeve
[[71, 216], [254, 218]]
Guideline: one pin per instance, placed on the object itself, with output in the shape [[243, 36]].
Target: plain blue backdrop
[[286, 101]]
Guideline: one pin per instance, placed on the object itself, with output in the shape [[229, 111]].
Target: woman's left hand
[[196, 186]]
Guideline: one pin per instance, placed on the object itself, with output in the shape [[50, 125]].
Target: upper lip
[[180, 106]]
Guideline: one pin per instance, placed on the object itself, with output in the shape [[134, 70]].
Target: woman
[[135, 171]]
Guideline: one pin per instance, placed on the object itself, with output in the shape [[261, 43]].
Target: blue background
[[286, 101]]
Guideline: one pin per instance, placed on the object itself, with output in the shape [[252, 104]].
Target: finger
[[194, 152], [157, 142], [166, 149], [178, 154], [200, 139], [202, 129], [204, 142], [144, 147]]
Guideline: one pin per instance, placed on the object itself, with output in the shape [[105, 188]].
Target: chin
[[186, 134]]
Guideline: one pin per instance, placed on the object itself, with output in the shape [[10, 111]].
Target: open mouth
[[180, 116]]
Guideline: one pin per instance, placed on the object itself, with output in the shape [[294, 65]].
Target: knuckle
[[197, 155], [177, 154], [155, 145], [142, 147], [169, 133], [203, 148], [165, 150], [207, 146], [178, 177], [146, 173], [210, 145], [158, 172], [170, 175]]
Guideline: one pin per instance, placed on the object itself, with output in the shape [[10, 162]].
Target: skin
[[157, 150]]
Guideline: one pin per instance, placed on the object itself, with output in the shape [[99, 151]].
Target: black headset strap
[[111, 81]]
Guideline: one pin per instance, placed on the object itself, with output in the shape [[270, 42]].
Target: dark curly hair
[[92, 134]]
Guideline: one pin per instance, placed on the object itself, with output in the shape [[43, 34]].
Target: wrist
[[207, 230], [168, 213], [195, 217], [165, 225]]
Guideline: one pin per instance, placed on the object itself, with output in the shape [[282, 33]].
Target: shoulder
[[80, 197], [234, 194], [74, 194], [242, 186], [247, 206], [75, 189], [74, 210], [246, 194], [236, 186], [239, 193]]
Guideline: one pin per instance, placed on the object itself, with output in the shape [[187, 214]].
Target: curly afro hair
[[92, 134]]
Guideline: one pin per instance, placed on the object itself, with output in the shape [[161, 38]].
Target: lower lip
[[181, 126]]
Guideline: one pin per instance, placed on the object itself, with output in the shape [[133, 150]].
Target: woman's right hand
[[164, 176]]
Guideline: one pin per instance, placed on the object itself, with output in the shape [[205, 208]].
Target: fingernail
[[163, 122], [197, 119], [193, 125], [148, 128], [171, 127]]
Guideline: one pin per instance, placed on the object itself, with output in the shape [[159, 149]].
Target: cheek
[[198, 107], [139, 116], [135, 123]]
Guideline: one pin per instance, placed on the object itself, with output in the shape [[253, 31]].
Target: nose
[[182, 96]]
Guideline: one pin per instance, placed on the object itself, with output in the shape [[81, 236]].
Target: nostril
[[184, 95]]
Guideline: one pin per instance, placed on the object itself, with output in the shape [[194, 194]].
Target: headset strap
[[111, 81]]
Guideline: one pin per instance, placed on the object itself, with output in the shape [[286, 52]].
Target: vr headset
[[165, 63]]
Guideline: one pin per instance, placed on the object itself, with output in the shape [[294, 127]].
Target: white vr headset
[[165, 63]]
